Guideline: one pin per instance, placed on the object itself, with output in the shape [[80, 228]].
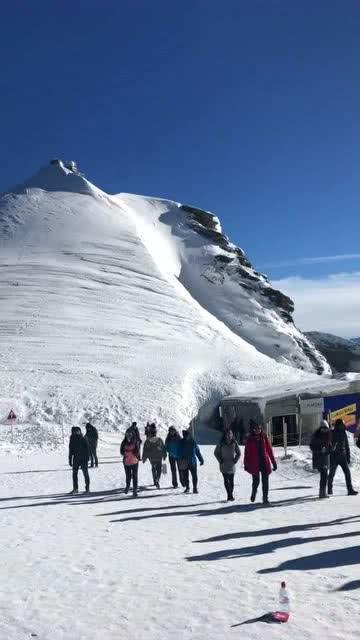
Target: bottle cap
[[283, 585]]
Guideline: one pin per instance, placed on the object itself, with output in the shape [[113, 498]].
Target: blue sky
[[247, 108]]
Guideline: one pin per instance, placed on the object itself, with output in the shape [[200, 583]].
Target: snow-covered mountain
[[342, 354], [125, 307]]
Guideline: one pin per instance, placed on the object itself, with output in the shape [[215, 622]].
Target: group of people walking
[[259, 460], [183, 454], [330, 449]]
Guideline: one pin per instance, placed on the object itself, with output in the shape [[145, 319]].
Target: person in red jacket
[[258, 459]]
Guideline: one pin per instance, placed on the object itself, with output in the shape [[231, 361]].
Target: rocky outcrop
[[231, 261], [343, 355]]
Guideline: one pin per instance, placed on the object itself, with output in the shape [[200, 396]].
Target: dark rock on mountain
[[342, 354], [233, 263]]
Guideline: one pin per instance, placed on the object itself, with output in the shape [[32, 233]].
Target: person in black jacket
[[320, 446], [92, 437], [78, 458], [135, 430], [147, 429], [340, 455]]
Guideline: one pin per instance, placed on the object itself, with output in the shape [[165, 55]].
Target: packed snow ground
[[169, 565]]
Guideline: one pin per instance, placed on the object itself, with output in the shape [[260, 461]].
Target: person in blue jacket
[[189, 452], [172, 442]]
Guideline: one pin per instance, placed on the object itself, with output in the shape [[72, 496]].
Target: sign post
[[285, 436], [299, 417]]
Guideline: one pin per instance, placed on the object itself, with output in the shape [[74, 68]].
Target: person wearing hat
[[340, 456], [320, 446], [155, 451], [259, 459], [92, 438]]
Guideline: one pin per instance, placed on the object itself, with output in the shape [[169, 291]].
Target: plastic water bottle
[[284, 599]]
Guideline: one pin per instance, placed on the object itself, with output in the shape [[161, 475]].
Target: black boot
[[352, 492]]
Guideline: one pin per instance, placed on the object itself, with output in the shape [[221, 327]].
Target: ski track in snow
[[166, 564]]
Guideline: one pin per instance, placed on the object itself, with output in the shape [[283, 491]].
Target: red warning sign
[[12, 415]]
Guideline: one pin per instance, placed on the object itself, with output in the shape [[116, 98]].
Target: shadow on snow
[[270, 547]]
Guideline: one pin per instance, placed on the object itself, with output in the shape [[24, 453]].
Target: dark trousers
[[174, 469], [192, 469], [229, 484], [131, 474], [343, 463], [156, 471], [323, 480], [92, 452], [75, 470], [265, 484]]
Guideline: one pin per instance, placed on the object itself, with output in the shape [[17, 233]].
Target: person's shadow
[[266, 617]]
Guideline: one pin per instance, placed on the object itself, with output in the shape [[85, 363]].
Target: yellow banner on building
[[341, 413], [350, 420]]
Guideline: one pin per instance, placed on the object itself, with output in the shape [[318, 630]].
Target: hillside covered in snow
[[120, 307]]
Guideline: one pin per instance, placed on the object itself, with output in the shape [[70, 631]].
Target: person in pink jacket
[[130, 450], [259, 459]]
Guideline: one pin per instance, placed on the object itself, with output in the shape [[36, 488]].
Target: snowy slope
[[169, 565], [188, 243], [102, 316]]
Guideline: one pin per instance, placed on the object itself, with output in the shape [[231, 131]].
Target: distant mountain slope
[[342, 354], [124, 307]]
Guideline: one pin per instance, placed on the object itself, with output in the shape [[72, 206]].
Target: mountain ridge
[[343, 354]]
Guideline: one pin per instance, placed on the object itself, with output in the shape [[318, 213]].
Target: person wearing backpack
[[227, 453], [130, 451], [155, 451], [78, 458]]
